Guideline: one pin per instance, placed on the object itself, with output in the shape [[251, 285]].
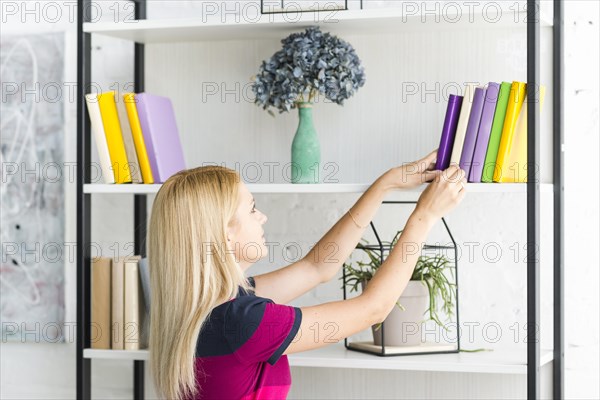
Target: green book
[[492, 151]]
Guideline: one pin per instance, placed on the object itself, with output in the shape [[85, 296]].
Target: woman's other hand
[[412, 174], [444, 194]]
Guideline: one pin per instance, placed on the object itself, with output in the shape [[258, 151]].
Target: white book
[[134, 307], [117, 304], [99, 137], [118, 300], [463, 122], [132, 158]]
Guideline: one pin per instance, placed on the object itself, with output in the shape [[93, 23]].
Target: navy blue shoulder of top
[[218, 328]]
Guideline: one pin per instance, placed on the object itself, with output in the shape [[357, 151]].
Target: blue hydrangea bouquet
[[309, 63]]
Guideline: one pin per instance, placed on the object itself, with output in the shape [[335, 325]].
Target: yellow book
[[114, 137], [517, 167], [138, 138], [515, 102]]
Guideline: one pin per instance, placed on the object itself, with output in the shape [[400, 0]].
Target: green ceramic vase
[[306, 151]]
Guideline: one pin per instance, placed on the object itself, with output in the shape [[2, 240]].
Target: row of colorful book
[[136, 136], [485, 132], [120, 303]]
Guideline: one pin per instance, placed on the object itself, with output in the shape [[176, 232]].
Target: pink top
[[239, 351]]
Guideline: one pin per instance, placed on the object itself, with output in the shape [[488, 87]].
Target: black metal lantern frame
[[382, 249], [283, 11]]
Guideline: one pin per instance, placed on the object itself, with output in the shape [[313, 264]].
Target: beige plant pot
[[403, 328]]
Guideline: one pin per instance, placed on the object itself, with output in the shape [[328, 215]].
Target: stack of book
[[136, 136], [120, 302], [485, 132]]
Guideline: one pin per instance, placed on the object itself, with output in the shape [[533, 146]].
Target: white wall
[[30, 370], [581, 198]]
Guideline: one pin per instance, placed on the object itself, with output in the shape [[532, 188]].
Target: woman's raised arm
[[330, 253], [331, 322]]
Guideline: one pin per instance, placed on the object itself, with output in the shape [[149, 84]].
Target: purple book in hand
[[159, 129], [448, 132]]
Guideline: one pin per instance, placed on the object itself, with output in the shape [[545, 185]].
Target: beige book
[[134, 307], [100, 318], [463, 122], [118, 301]]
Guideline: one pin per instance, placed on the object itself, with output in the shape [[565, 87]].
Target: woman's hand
[[443, 195], [413, 174]]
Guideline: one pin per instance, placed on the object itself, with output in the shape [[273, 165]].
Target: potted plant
[[428, 292], [309, 63]]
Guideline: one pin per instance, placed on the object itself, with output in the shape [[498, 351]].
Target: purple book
[[485, 129], [448, 132], [466, 158], [159, 128]]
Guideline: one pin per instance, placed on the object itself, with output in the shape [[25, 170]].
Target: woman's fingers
[[444, 193], [427, 163], [463, 189], [453, 171], [429, 176], [462, 185], [431, 157], [455, 174]]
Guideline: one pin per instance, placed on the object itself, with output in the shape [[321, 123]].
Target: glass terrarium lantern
[[409, 329]]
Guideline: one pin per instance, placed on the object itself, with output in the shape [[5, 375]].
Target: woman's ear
[[232, 228], [228, 238], [230, 232]]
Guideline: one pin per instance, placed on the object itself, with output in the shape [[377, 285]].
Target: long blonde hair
[[191, 271]]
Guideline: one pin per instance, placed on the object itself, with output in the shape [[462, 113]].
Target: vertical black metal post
[[84, 234], [140, 204], [533, 199], [558, 177]]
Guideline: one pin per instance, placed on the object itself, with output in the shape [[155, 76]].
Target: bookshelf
[[367, 22]]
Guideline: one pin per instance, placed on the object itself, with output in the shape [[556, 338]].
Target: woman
[[216, 334]]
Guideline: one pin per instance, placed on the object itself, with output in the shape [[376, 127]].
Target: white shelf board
[[275, 26], [495, 362], [254, 188], [117, 354], [120, 189], [315, 189], [337, 356]]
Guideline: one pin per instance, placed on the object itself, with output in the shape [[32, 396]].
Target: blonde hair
[[191, 272]]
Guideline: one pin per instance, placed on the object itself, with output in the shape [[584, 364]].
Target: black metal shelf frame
[[84, 201]]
